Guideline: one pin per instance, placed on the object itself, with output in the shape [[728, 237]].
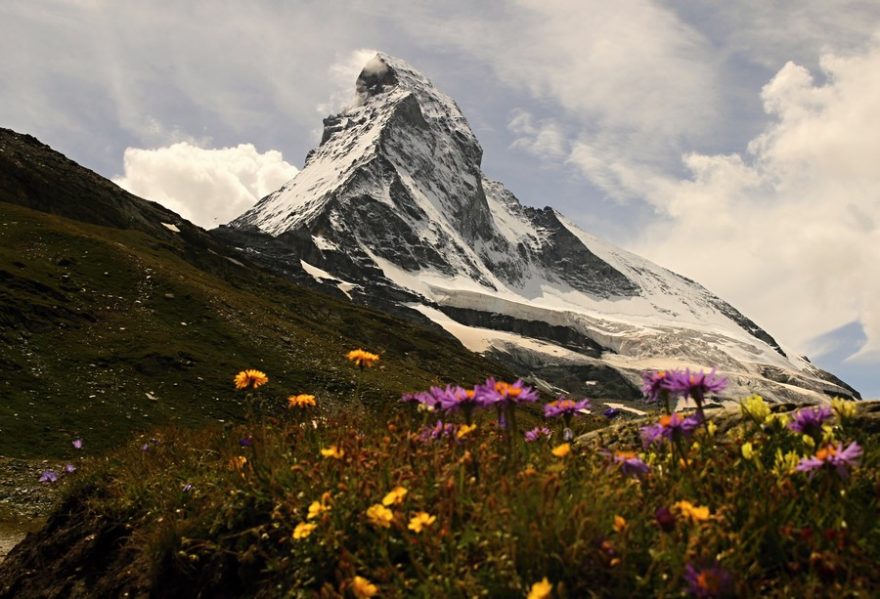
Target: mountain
[[117, 316], [393, 209]]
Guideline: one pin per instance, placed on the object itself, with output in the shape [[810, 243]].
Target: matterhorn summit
[[393, 210]]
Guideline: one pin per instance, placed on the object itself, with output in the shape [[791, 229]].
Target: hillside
[[117, 316]]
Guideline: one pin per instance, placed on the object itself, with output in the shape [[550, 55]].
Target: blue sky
[[733, 142]]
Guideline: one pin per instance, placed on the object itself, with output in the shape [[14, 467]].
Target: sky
[[733, 142]]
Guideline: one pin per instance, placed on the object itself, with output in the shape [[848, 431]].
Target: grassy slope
[[92, 319]]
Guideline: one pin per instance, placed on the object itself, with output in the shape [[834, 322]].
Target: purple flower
[[536, 433], [77, 443], [145, 447], [656, 383], [809, 421], [695, 384], [187, 488], [424, 398], [713, 581], [673, 426], [438, 431], [611, 413], [630, 464], [454, 398], [48, 476], [70, 469], [834, 457], [246, 441], [665, 519], [565, 407], [494, 392]]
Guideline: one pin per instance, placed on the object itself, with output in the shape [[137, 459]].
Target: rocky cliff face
[[392, 206]]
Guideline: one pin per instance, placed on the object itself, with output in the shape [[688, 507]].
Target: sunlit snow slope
[[394, 202]]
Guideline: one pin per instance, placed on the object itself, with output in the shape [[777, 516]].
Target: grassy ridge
[[96, 321]]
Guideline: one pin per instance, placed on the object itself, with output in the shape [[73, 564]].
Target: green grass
[[92, 319], [508, 513]]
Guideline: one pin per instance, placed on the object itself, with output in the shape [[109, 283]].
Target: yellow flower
[[808, 441], [619, 524], [747, 450], [237, 463], [421, 520], [380, 516], [755, 407], [317, 508], [333, 452], [784, 464], [300, 401], [712, 428], [560, 451], [302, 530], [778, 421], [363, 588], [250, 377], [845, 409], [692, 512], [464, 430], [395, 496], [541, 590], [362, 358]]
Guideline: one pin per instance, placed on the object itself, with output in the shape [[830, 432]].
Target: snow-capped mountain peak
[[394, 201]]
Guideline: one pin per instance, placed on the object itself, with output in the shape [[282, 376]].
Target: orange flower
[[541, 589], [237, 463], [300, 401], [380, 516], [395, 496], [420, 521], [619, 524], [692, 512], [362, 358], [560, 451], [302, 530], [250, 377]]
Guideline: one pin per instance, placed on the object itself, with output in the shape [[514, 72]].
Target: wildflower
[[835, 457], [362, 358], [619, 524], [316, 508], [560, 451], [711, 428], [541, 589], [333, 452], [809, 421], [630, 464], [755, 407], [439, 430], [610, 413], [785, 464], [420, 521], [713, 581], [454, 398], [845, 409], [692, 512], [395, 496], [69, 469], [655, 385], [246, 441], [747, 450], [48, 476], [536, 433], [425, 399], [665, 519], [303, 529], [300, 401], [494, 392], [696, 384], [236, 463], [145, 447], [187, 487], [250, 378], [77, 443], [465, 430], [565, 407], [673, 426], [363, 588], [380, 516]]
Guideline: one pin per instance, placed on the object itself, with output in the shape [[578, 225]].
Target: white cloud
[[789, 230], [206, 186], [342, 75], [544, 138]]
